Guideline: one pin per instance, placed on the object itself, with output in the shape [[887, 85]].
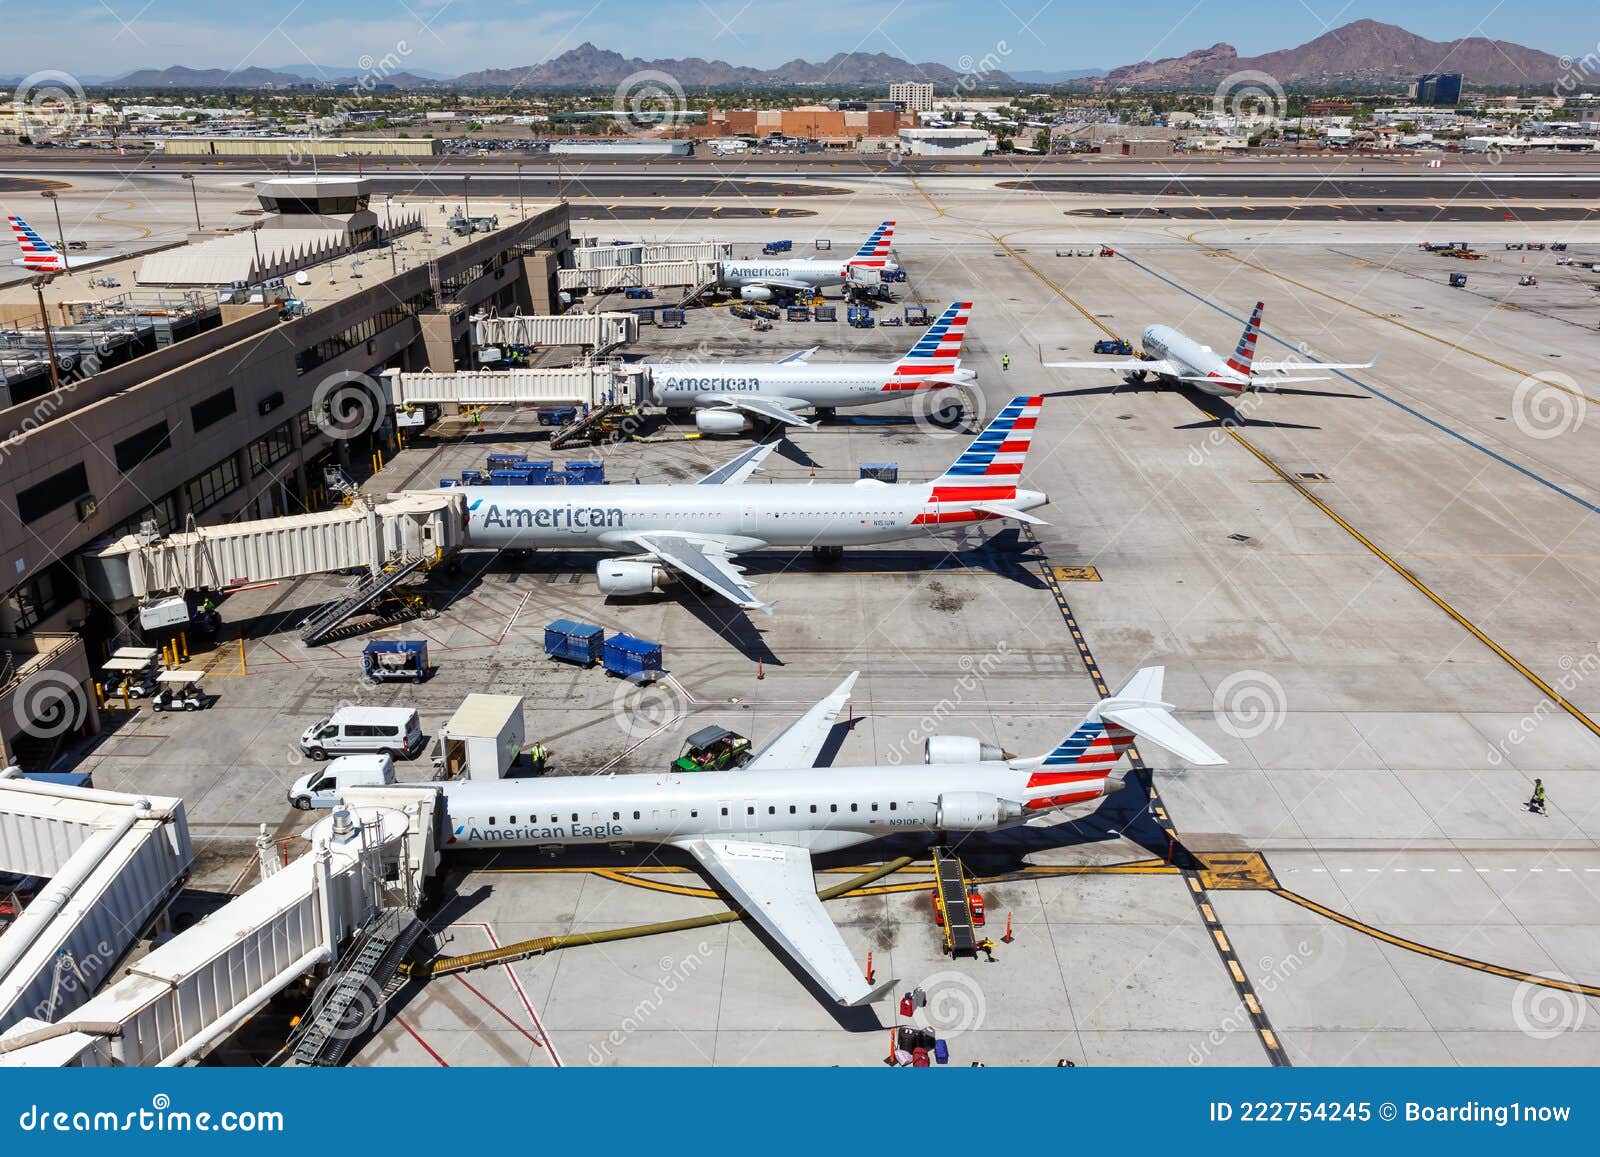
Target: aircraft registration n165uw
[[694, 530], [724, 396], [766, 279], [754, 830], [1173, 356]]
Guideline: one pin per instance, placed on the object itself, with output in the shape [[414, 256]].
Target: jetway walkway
[[586, 385], [598, 332], [113, 861], [354, 893]]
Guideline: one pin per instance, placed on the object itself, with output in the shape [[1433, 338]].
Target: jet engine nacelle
[[960, 749], [974, 811], [621, 576], [754, 293], [718, 421]]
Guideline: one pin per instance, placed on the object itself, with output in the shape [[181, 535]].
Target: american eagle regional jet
[[754, 830], [765, 279], [1173, 356], [694, 531]]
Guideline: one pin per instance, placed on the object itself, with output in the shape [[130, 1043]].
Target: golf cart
[[713, 749], [132, 672], [180, 691]]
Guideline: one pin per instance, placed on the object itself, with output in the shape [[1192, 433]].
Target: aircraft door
[[751, 815], [724, 815]]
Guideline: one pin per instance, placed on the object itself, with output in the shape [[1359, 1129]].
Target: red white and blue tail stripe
[[1245, 353], [999, 451], [875, 253], [37, 253], [937, 352], [1079, 764]]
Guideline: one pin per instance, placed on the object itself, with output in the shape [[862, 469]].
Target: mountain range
[[1362, 52]]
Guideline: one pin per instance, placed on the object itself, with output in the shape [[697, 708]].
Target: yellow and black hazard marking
[[1235, 872], [1195, 876], [1076, 574]]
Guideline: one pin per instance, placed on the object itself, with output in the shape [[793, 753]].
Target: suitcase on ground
[[941, 1052]]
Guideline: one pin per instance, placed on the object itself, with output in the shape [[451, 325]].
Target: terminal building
[[191, 400]]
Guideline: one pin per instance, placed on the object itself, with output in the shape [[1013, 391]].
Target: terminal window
[[213, 486], [213, 409], [152, 440], [56, 491]]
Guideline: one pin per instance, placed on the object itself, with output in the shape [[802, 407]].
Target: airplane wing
[[1159, 366], [774, 885], [1001, 510], [782, 283], [767, 408], [736, 471], [1281, 367], [798, 745], [798, 356], [707, 562]]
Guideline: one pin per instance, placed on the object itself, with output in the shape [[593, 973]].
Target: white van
[[325, 786], [394, 731]]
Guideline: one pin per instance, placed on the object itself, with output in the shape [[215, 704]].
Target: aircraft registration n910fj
[[693, 531], [1173, 356], [725, 395], [754, 830]]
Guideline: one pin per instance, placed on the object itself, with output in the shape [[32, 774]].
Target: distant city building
[[1439, 88], [912, 95], [946, 142]]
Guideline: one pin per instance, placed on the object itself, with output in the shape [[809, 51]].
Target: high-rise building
[[913, 95], [1439, 88]]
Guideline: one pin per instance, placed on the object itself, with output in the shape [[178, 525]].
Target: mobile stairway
[[352, 1000], [364, 591], [580, 431]]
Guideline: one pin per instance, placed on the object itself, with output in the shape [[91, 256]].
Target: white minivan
[[394, 731], [325, 786]]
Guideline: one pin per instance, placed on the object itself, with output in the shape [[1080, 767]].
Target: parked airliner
[[754, 830], [766, 279], [695, 530], [1173, 356], [41, 256], [724, 396]]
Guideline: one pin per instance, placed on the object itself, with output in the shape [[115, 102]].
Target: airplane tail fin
[[997, 454], [937, 353], [37, 253], [875, 252], [1244, 354]]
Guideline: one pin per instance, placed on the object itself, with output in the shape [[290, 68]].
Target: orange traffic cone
[[869, 968], [1006, 939], [761, 669]]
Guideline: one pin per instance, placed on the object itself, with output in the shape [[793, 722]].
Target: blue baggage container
[[882, 471], [574, 642], [632, 658], [503, 461], [471, 477], [825, 313], [672, 318], [586, 473], [446, 483], [386, 660], [538, 472], [508, 478]]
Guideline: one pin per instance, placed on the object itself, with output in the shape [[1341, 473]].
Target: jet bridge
[[597, 331], [584, 385]]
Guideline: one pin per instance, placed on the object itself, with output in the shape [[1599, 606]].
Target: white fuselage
[[818, 273], [822, 809], [744, 517], [1201, 361], [845, 384]]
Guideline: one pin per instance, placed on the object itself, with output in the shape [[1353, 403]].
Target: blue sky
[[108, 37]]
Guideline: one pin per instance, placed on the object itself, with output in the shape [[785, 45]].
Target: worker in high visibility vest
[[538, 753], [1537, 803]]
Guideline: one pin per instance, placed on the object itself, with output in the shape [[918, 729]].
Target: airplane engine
[[971, 811], [622, 576], [960, 749], [718, 421], [754, 293]]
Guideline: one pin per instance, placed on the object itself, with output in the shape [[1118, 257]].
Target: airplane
[[723, 395], [694, 530], [755, 829], [1174, 357], [41, 256], [767, 279]]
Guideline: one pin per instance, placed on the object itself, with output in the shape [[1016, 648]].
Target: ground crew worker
[[986, 946], [1537, 803], [539, 753], [1005, 361]]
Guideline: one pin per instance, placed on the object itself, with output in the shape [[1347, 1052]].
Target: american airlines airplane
[[725, 396], [766, 279], [1174, 357], [41, 256], [754, 830], [694, 530]]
